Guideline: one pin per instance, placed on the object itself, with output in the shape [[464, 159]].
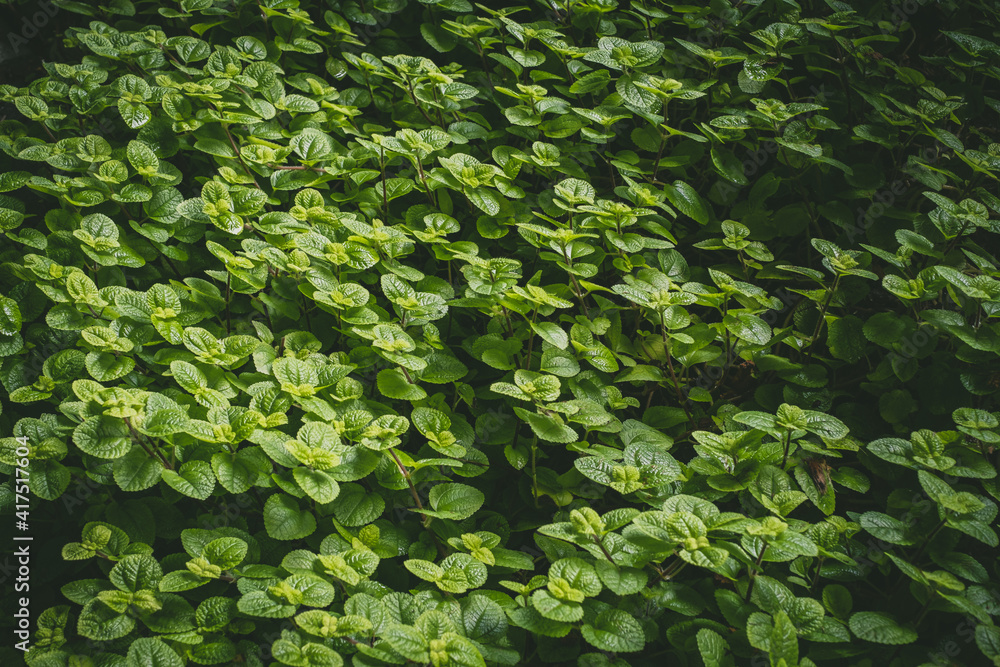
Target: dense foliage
[[376, 332]]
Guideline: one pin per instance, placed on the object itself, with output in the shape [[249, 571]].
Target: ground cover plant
[[385, 332]]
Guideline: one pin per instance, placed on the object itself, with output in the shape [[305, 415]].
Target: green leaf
[[136, 572], [424, 569], [438, 37], [578, 574], [10, 317], [784, 641], [551, 333], [12, 180], [152, 652], [101, 623], [103, 437], [686, 200], [546, 427], [988, 641], [462, 652], [237, 473], [297, 103], [486, 200], [554, 609], [884, 329], [226, 552], [712, 647], [135, 115], [408, 642], [48, 479], [880, 628], [318, 485], [142, 158], [392, 383], [748, 327], [355, 506], [194, 479], [621, 580], [846, 339], [284, 520], [181, 580], [531, 620], [455, 501], [136, 471], [616, 631], [886, 528], [837, 600], [262, 604], [312, 145], [727, 164]]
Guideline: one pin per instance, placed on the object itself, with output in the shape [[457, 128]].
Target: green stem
[[753, 572], [151, 450], [531, 340], [296, 167], [819, 566], [927, 540], [822, 315], [670, 367], [579, 294], [406, 475], [954, 241], [232, 142], [671, 570], [923, 611], [534, 477], [725, 312], [416, 102], [385, 194], [600, 543]]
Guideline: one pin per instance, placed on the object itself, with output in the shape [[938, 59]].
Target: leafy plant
[[587, 333]]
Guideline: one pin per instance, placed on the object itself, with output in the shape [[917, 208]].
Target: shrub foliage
[[588, 332]]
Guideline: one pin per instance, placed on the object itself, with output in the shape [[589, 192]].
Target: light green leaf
[[616, 631], [152, 652], [194, 479], [285, 520], [455, 501], [318, 485]]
